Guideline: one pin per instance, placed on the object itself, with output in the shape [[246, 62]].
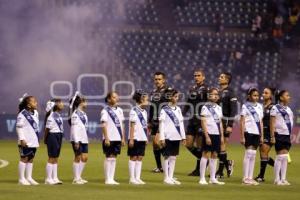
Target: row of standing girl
[[171, 128]]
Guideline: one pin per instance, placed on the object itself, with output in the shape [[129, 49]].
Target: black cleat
[[157, 170], [219, 175], [259, 179], [230, 168], [194, 173]]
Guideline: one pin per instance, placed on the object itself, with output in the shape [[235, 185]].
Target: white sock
[[76, 169], [138, 170], [54, 172], [246, 163], [277, 167], [166, 168], [106, 169], [203, 163], [112, 169], [251, 164], [22, 167], [172, 162], [283, 169], [213, 168], [29, 167], [49, 171], [131, 166], [81, 168]]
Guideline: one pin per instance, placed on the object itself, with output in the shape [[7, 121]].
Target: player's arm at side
[[203, 125], [233, 102], [20, 131], [162, 118], [242, 129], [103, 121]]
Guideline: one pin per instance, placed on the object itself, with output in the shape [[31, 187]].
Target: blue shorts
[[54, 141], [138, 149], [113, 149], [27, 152], [83, 148]]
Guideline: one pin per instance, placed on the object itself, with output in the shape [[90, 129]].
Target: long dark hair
[[109, 95], [78, 100], [278, 94], [138, 95], [250, 92], [24, 103]]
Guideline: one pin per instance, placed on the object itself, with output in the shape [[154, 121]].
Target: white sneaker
[[57, 181], [247, 181], [133, 182], [77, 182], [23, 182], [84, 181], [216, 182], [285, 182], [175, 181], [253, 182], [169, 182], [278, 182], [32, 182], [140, 182], [203, 182], [111, 182], [49, 182]]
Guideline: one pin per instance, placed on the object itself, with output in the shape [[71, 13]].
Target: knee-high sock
[[172, 161], [251, 164], [246, 163], [277, 167], [283, 169], [157, 156], [29, 168], [222, 161], [54, 172], [81, 168], [166, 168], [49, 171], [138, 170], [263, 166], [203, 163], [21, 168], [76, 169], [212, 168], [131, 166], [112, 170], [106, 168]]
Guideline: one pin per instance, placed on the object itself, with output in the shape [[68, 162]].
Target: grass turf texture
[[154, 189]]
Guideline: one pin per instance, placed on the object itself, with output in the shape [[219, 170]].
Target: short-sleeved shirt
[[79, 124], [250, 121], [280, 123], [211, 125], [55, 123], [139, 132]]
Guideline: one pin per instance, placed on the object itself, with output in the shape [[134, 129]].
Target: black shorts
[[154, 128], [171, 148], [215, 144], [282, 142], [27, 152], [83, 148], [267, 139], [194, 128], [138, 149], [113, 149], [252, 140], [54, 141]]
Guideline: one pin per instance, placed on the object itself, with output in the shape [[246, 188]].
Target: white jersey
[[211, 125], [280, 123], [55, 123], [139, 132], [112, 131], [250, 122], [167, 129], [26, 131], [79, 123]]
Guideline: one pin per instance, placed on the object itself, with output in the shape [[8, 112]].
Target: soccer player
[[281, 128], [138, 136], [79, 137], [211, 120], [158, 100], [27, 128], [265, 148], [171, 132], [197, 96], [229, 104], [251, 133], [53, 138], [113, 134]]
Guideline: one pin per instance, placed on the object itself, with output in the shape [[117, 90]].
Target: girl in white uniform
[[27, 128], [53, 139], [138, 137], [281, 124], [171, 132], [211, 122], [251, 133], [79, 137], [113, 134]]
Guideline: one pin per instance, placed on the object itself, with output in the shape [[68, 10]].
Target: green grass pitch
[[154, 189]]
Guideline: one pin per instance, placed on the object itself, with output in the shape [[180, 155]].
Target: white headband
[[73, 99], [49, 106], [22, 98]]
